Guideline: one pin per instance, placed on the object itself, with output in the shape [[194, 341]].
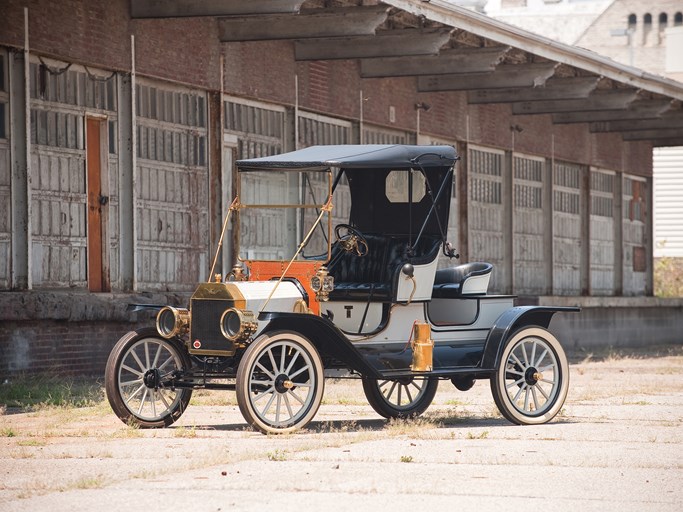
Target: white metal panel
[[602, 233], [528, 225], [566, 229], [485, 212], [668, 201]]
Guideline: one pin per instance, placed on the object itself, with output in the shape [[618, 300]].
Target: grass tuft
[[35, 393]]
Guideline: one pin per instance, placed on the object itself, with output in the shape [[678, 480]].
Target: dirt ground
[[617, 445]]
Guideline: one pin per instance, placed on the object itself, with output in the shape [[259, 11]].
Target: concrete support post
[[618, 234], [508, 227], [19, 172], [126, 191], [462, 188], [585, 205]]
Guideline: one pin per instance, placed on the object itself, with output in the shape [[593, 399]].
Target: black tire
[[400, 398], [280, 382], [134, 403], [531, 383]]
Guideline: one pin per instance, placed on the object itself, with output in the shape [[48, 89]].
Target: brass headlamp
[[322, 284], [173, 321], [238, 325]]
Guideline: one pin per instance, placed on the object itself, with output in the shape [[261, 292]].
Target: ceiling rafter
[[555, 88], [347, 21], [188, 8], [640, 109], [459, 60], [616, 99], [392, 43], [505, 76]]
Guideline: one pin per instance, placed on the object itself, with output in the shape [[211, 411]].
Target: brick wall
[[58, 347]]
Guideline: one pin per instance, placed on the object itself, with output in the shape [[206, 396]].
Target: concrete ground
[[617, 445]]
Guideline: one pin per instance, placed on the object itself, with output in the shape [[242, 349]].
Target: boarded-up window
[[62, 83], [379, 135], [259, 129], [486, 177]]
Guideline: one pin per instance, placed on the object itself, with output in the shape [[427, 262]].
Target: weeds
[[406, 458], [32, 393], [7, 432], [277, 455], [668, 277], [483, 435]]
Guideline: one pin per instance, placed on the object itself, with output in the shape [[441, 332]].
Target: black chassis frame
[[471, 360]]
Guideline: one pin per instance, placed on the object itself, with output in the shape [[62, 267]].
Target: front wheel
[[400, 398], [133, 378], [531, 383], [279, 383]]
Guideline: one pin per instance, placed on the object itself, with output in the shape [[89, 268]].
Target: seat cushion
[[377, 292], [446, 291]]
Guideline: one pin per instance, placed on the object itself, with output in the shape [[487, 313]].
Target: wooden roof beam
[[643, 124], [390, 43], [346, 21], [458, 60], [555, 89], [640, 109], [598, 101], [663, 133], [660, 143], [185, 8], [505, 76]]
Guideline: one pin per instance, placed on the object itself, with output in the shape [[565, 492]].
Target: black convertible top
[[367, 156]]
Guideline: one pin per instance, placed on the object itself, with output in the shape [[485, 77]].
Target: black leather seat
[[375, 276], [449, 282]]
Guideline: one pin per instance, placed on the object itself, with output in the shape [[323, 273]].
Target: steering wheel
[[352, 241]]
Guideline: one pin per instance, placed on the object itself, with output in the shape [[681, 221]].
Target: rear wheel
[[400, 398], [135, 370], [531, 383], [280, 383]]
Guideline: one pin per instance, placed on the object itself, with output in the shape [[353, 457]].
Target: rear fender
[[329, 340], [509, 322]]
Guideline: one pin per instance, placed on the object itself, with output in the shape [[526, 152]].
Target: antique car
[[343, 271]]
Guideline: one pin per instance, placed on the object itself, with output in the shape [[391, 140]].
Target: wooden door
[[98, 279]]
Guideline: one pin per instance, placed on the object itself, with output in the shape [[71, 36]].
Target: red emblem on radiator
[[196, 344]]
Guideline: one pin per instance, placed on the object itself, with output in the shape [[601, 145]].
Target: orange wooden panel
[[303, 271]]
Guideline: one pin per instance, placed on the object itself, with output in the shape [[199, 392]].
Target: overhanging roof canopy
[[450, 48], [368, 156]]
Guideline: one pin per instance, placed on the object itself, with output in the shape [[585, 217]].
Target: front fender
[[329, 340], [509, 322]]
